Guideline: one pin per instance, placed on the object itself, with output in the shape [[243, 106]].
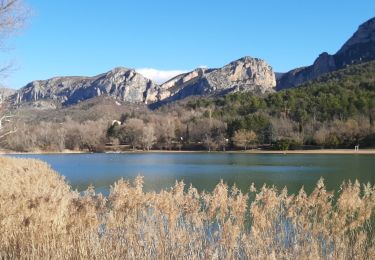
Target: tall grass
[[41, 217]]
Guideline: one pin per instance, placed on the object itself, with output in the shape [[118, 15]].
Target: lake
[[205, 170]]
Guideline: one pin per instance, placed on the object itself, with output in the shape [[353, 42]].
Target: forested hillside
[[336, 110]]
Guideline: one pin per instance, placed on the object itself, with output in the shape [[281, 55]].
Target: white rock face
[[120, 83], [246, 74]]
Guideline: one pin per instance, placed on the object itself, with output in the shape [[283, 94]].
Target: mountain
[[358, 49], [120, 83], [246, 74], [5, 92]]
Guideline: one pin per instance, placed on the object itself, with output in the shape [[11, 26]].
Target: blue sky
[[161, 38]]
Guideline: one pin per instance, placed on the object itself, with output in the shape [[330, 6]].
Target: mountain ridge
[[245, 74], [122, 83], [359, 48]]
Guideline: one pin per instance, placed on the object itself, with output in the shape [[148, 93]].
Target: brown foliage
[[42, 218], [244, 138]]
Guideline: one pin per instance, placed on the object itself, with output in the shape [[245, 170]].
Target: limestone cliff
[[246, 74], [120, 83], [359, 48]]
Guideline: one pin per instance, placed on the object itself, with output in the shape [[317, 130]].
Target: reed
[[41, 217]]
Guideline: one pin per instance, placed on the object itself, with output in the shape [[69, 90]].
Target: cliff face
[[246, 74], [120, 83], [359, 48]]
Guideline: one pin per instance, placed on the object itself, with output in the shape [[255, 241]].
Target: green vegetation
[[334, 111], [42, 218]]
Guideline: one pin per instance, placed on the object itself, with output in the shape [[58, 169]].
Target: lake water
[[205, 170]]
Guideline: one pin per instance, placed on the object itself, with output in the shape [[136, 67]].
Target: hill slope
[[126, 85], [359, 48], [120, 83], [337, 109]]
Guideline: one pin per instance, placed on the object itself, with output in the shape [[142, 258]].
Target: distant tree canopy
[[335, 111], [338, 95], [298, 113]]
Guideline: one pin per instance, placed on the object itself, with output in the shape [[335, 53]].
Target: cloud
[[159, 76]]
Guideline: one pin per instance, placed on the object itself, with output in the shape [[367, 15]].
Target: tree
[[12, 16], [170, 132], [132, 131], [6, 126], [148, 136], [209, 131], [166, 131], [73, 135], [5, 129], [244, 138], [93, 135], [23, 140]]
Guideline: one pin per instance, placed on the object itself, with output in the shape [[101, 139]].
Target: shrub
[[285, 144], [42, 218]]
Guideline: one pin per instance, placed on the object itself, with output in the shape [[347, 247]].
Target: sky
[[164, 38]]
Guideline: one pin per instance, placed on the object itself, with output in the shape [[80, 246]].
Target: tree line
[[334, 111]]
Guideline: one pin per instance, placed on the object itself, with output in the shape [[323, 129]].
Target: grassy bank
[[42, 217]]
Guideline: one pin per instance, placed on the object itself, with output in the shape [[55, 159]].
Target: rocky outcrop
[[120, 83], [5, 92], [246, 74], [359, 48]]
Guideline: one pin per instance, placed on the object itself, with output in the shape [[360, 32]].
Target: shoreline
[[255, 151]]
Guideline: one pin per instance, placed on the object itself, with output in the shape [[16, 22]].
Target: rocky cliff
[[246, 74], [120, 83], [359, 48]]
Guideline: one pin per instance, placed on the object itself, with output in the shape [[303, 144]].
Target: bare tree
[[210, 132], [4, 130], [6, 120], [148, 136], [24, 140], [13, 14], [166, 131], [244, 138], [131, 132], [93, 135]]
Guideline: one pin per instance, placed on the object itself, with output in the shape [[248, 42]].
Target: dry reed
[[41, 217]]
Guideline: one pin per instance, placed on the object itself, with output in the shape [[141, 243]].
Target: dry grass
[[42, 218]]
